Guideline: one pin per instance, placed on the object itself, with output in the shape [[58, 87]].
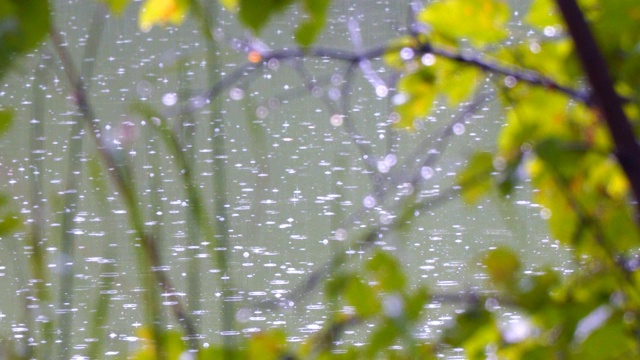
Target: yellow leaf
[[231, 5], [502, 265], [419, 93], [162, 12], [116, 6], [480, 22]]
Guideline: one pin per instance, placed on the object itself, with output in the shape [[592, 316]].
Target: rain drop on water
[[407, 53], [169, 99], [336, 120], [458, 129], [382, 91], [426, 172], [369, 201]]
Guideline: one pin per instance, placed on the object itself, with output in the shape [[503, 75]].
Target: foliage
[[254, 14], [553, 134], [24, 24], [160, 12]]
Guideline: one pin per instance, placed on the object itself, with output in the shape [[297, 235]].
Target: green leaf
[[475, 180], [216, 352], [9, 223], [527, 124], [387, 271], [617, 27], [502, 266], [6, 120], [473, 330], [415, 303], [419, 92], [308, 31], [509, 177], [173, 343], [362, 297], [562, 218], [450, 21], [552, 57], [383, 336], [24, 24], [230, 5], [10, 220], [116, 6], [268, 345], [535, 290], [610, 341], [456, 81], [256, 13], [543, 13], [561, 155], [336, 285]]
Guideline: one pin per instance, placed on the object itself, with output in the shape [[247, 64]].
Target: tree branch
[[606, 99]]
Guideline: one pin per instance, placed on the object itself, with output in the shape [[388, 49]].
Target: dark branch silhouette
[[605, 97]]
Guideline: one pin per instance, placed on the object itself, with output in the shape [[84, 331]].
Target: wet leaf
[[387, 271], [456, 81], [509, 176], [415, 303], [6, 120], [502, 266], [173, 347], [450, 21], [528, 124], [362, 297], [475, 180], [419, 92], [612, 340], [543, 13], [473, 330], [384, 335], [336, 285], [316, 11], [393, 58], [256, 13], [162, 12], [9, 223], [552, 57], [24, 25], [231, 5], [268, 345], [116, 6], [10, 220], [620, 228], [534, 291], [561, 155]]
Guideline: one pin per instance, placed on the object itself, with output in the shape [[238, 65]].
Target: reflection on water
[[301, 184]]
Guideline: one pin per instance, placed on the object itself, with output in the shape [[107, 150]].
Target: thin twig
[[354, 57], [73, 179], [41, 294], [119, 172], [366, 241]]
